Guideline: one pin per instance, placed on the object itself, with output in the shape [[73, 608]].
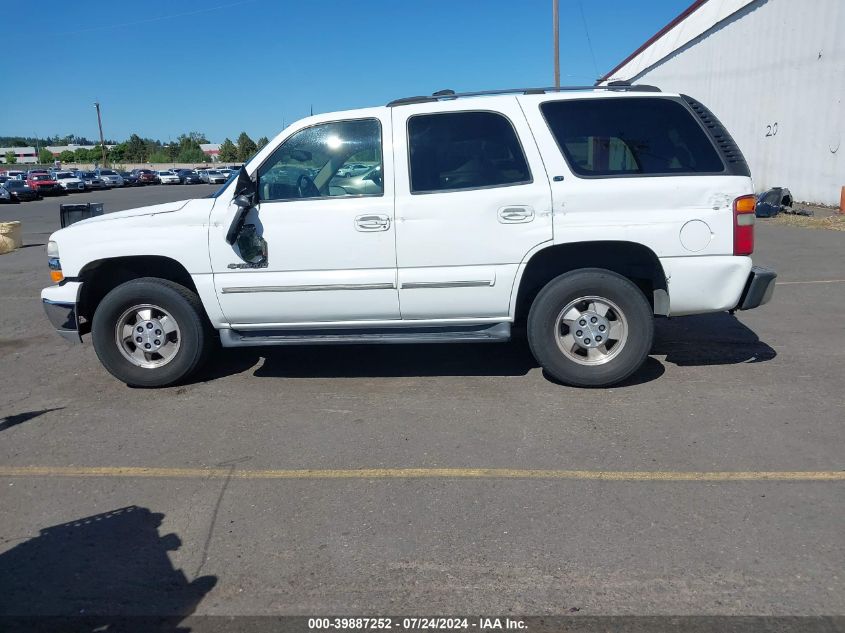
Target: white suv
[[580, 213]]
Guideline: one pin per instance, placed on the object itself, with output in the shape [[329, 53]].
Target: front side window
[[464, 150], [317, 162], [630, 136]]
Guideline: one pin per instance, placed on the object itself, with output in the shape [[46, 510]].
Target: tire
[[575, 356], [185, 336]]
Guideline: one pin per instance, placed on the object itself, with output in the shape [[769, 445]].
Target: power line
[[589, 41]]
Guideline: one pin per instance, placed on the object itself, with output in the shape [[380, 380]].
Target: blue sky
[[222, 66]]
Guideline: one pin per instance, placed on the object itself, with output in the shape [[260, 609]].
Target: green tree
[[117, 154], [45, 156], [246, 147], [228, 151], [67, 156], [191, 155], [262, 142], [136, 149], [80, 155], [159, 157], [11, 159]]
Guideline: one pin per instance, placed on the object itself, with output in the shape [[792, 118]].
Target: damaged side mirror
[[252, 247], [245, 194], [242, 201]]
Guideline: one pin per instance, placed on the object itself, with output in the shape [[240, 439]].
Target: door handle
[[368, 223], [516, 214]]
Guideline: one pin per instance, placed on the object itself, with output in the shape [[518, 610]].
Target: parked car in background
[[19, 190], [213, 176], [44, 184], [168, 177], [91, 180], [189, 177], [109, 177], [128, 179], [5, 196], [355, 169], [68, 181], [16, 174], [368, 182], [145, 176]]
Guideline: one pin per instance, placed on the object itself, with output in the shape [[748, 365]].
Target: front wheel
[[590, 328], [151, 332]]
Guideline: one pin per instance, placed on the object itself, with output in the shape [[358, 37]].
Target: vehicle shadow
[[708, 339], [714, 339], [108, 572]]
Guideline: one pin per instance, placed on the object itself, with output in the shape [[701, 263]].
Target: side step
[[495, 333]]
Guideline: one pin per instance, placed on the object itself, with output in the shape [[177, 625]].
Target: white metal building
[[773, 71]]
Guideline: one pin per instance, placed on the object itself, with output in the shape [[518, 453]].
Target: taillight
[[744, 208]]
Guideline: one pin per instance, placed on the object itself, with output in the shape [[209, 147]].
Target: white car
[[580, 214], [68, 181], [110, 178], [168, 177]]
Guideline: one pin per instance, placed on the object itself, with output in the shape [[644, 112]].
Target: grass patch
[[832, 223]]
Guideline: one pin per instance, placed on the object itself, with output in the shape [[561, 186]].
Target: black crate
[[70, 213]]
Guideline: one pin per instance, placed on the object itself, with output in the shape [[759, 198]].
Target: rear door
[[472, 200]]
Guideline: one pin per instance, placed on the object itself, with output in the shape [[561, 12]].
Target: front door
[[325, 211]]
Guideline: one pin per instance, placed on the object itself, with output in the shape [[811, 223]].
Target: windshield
[[88, 174], [14, 184], [38, 177], [64, 174], [107, 172]]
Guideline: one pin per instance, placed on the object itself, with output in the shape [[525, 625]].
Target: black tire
[[195, 334], [637, 316]]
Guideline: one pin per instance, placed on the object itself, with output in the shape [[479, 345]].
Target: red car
[[145, 176], [44, 185]]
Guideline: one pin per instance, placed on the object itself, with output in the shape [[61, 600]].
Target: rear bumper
[[60, 305], [758, 289]]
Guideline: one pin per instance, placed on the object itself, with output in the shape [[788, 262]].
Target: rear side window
[[630, 136], [464, 150]]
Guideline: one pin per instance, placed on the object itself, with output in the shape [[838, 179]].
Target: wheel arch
[[633, 260], [101, 276]]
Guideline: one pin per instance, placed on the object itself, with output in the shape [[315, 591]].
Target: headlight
[[52, 249]]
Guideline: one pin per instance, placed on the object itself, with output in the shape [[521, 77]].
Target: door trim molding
[[307, 288], [470, 283]]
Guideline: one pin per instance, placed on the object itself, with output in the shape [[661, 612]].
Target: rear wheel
[[151, 332], [590, 328]]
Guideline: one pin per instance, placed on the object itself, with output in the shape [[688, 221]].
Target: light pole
[[556, 30], [100, 124]]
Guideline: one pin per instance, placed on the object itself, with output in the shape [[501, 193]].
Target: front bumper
[[60, 305], [758, 289]]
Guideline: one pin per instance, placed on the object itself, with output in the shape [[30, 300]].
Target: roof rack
[[442, 95]]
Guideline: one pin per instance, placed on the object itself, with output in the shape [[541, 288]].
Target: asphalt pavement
[[430, 479]]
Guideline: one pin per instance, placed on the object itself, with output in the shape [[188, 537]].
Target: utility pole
[[100, 124], [556, 29]]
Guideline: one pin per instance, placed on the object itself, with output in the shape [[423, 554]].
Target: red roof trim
[[689, 10]]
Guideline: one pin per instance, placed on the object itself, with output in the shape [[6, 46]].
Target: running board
[[495, 333]]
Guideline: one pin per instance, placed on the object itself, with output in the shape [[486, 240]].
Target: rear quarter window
[[635, 136]]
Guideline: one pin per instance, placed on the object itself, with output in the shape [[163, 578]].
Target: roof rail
[[442, 95]]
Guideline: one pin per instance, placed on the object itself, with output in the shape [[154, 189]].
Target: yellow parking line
[[419, 473]]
